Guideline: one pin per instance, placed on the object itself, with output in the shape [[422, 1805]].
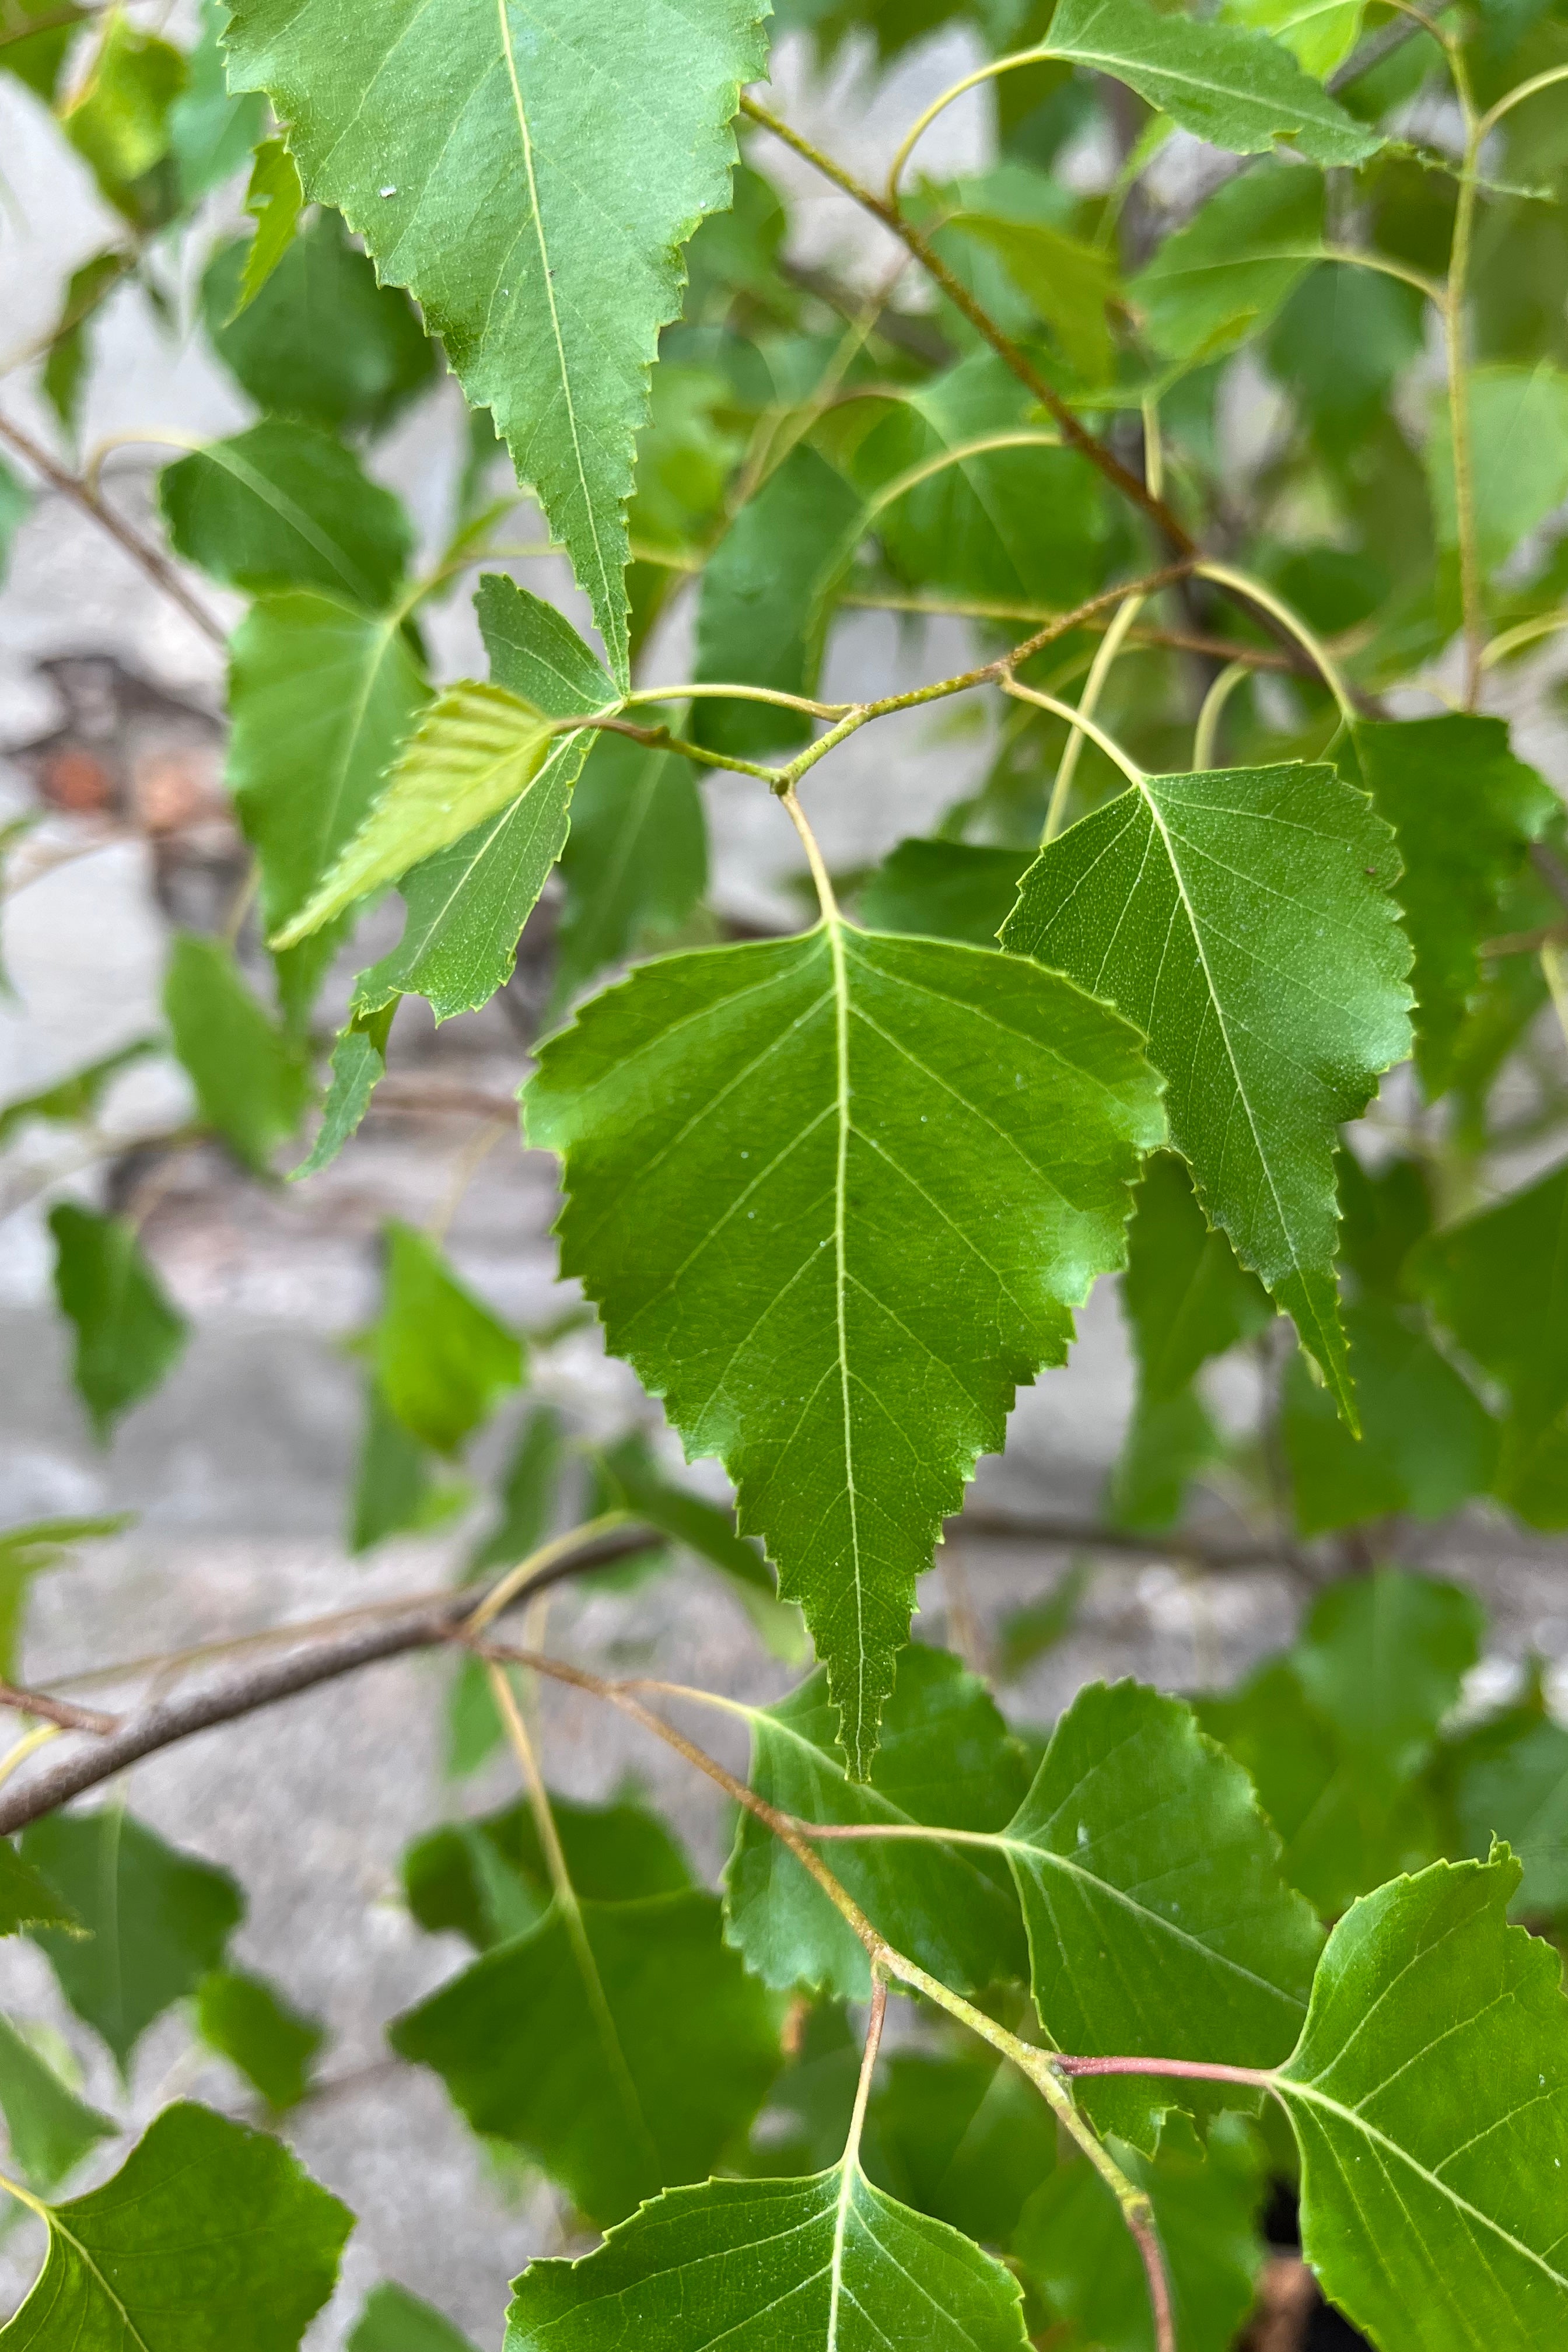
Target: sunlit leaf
[[274, 199], [442, 1359]]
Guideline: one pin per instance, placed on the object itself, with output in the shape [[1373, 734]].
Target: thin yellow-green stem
[[142, 436], [1516, 97], [1554, 964], [1207, 732], [1457, 359], [26, 2196], [1153, 446], [1523, 633], [558, 1547], [1096, 733], [701, 692], [29, 1745], [1226, 575], [814, 859], [940, 105], [1093, 687]]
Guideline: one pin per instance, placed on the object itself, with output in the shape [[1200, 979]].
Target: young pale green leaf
[[1069, 283], [1158, 1918], [1428, 1443], [1188, 1300], [620, 2044], [489, 1879], [1518, 437], [1515, 1787], [321, 699], [1499, 1283], [285, 506], [158, 1920], [50, 2128], [250, 1079], [1220, 279], [1319, 34], [357, 378], [529, 174], [966, 2140], [947, 1759], [118, 116], [209, 2233], [76, 1097], [249, 2021], [473, 755], [274, 199], [1347, 1821], [392, 2320], [393, 1492], [1233, 86], [1073, 2243], [1243, 918], [759, 618], [1464, 811], [882, 1171], [128, 1335], [211, 134], [945, 890], [1429, 2096], [441, 1358], [828, 2264], [28, 1900], [635, 863], [358, 1066]]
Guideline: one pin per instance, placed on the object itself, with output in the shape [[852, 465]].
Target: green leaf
[[118, 118], [128, 1335], [529, 174], [1427, 1445], [635, 863], [1464, 811], [1074, 2245], [1244, 920], [1385, 1215], [1319, 34], [1382, 1658], [77, 1098], [528, 1494], [945, 890], [966, 2140], [158, 1919], [358, 1066], [321, 699], [285, 506], [29, 1901], [210, 133], [1223, 276], [632, 1475], [1347, 1819], [1186, 1298], [946, 1758], [827, 2264], [1158, 1919], [1429, 2096], [66, 366], [35, 58], [392, 2320], [1499, 1283], [249, 2021], [50, 2129], [1516, 1788], [208, 2234], [475, 754], [1233, 86], [250, 1079], [393, 1493], [621, 2049], [759, 622], [26, 1552], [269, 333], [535, 652], [489, 1879], [1519, 447], [1014, 524], [880, 1148], [1070, 284], [441, 1359], [274, 199], [1169, 1442]]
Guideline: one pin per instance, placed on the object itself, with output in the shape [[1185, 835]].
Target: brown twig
[[152, 560], [170, 1720], [1514, 943], [57, 1710]]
